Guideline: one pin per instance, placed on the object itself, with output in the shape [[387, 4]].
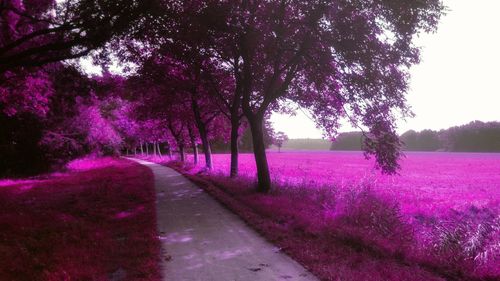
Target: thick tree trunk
[[202, 129], [193, 145], [142, 150], [147, 148], [182, 153], [235, 124], [207, 150], [154, 149], [259, 151], [195, 153]]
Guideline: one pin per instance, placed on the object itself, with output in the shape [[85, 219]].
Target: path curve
[[205, 242]]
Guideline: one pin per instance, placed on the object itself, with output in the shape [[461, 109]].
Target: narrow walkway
[[206, 242]]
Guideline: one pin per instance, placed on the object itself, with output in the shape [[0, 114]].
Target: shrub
[[467, 241], [59, 149], [374, 219], [19, 151]]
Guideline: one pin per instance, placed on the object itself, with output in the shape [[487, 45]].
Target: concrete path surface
[[204, 241]]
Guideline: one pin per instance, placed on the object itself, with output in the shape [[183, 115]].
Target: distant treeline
[[348, 141], [476, 136], [305, 144], [245, 141]]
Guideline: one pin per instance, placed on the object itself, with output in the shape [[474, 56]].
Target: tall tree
[[183, 35], [336, 59], [35, 33], [182, 78]]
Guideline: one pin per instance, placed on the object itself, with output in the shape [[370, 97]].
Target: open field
[[438, 220], [96, 221], [432, 182]]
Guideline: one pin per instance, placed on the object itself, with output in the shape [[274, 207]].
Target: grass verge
[[96, 221]]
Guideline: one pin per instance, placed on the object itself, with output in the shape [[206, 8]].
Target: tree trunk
[[235, 124], [182, 153], [147, 148], [142, 150], [193, 145], [207, 150], [159, 150], [203, 134], [154, 149], [195, 150], [259, 151], [169, 151], [195, 153]]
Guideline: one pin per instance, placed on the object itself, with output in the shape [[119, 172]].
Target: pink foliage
[[25, 93], [98, 131]]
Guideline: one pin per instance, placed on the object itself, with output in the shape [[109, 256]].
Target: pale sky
[[458, 80]]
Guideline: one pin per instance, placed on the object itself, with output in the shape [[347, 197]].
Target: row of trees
[[76, 117], [307, 144], [475, 136], [40, 97], [348, 141], [107, 115], [206, 70]]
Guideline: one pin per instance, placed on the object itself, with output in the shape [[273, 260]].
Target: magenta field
[[427, 181], [439, 216]]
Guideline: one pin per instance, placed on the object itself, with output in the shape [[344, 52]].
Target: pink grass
[[95, 222], [350, 226], [428, 182]]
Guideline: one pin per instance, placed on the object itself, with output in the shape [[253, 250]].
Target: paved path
[[207, 242]]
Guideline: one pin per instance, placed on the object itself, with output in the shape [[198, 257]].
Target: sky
[[457, 80]]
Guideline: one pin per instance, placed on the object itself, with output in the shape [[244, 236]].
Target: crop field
[[439, 216], [427, 182]]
